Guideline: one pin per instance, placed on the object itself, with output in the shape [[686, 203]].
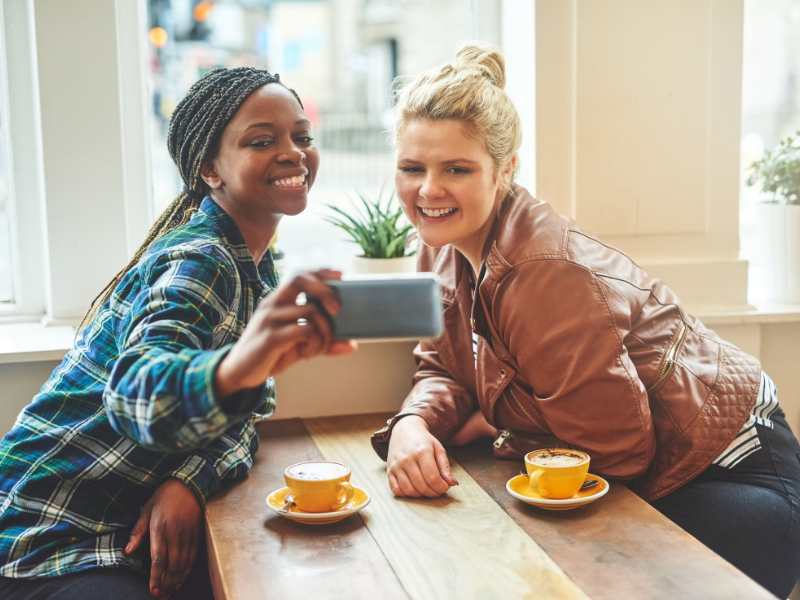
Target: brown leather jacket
[[577, 346]]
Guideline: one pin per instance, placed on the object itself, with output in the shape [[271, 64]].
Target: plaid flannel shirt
[[133, 404]]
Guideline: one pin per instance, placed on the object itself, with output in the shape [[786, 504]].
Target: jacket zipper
[[669, 362], [475, 294], [501, 439]]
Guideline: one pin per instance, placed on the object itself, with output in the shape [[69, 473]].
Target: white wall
[[637, 133]]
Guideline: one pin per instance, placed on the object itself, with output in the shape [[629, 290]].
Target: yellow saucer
[[519, 487], [277, 499]]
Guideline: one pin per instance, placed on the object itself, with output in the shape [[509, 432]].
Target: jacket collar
[[525, 228]]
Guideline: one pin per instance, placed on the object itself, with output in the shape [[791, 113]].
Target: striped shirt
[[133, 404], [747, 441]]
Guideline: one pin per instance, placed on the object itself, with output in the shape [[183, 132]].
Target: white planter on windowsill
[[779, 249], [404, 264]]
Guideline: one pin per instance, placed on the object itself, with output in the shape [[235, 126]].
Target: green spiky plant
[[378, 227], [777, 173]]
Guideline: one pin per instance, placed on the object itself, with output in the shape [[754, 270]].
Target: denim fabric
[[104, 584], [749, 514]]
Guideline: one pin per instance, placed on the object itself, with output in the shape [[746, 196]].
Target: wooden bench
[[476, 542]]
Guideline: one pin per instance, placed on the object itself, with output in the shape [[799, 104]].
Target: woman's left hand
[[171, 518]]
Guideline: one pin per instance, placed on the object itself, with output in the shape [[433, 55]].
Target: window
[[21, 234], [6, 285], [6, 275], [340, 56], [770, 105]]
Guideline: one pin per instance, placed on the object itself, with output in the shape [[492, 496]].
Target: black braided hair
[[195, 129], [200, 118]]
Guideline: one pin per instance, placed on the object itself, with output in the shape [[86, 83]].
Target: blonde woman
[[553, 338]]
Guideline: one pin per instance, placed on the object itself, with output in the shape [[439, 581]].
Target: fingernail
[[332, 307]]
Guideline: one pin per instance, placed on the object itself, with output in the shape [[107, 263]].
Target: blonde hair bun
[[468, 89], [484, 58]]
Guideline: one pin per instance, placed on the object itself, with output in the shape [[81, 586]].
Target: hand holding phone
[[380, 307]]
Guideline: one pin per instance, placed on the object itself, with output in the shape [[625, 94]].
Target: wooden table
[[476, 542]]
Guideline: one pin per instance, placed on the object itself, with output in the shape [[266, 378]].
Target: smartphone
[[382, 307]]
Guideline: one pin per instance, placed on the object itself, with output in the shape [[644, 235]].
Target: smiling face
[[265, 161], [448, 184]]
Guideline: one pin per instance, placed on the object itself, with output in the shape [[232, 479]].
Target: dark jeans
[[749, 514], [105, 584]]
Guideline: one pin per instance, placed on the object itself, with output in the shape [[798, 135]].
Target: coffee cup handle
[[288, 502], [534, 479], [345, 494]]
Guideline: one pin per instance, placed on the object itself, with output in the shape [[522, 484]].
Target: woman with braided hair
[[153, 409]]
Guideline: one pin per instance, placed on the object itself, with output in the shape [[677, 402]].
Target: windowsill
[[749, 315], [35, 342]]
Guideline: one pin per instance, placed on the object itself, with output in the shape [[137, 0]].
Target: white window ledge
[[761, 314], [35, 342]]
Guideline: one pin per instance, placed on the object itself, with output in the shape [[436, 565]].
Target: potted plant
[[381, 232], [777, 175]]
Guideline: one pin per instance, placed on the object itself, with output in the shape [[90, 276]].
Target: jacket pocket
[[670, 358], [690, 370]]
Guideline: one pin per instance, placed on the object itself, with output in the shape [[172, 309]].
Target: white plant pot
[[404, 264], [779, 251]]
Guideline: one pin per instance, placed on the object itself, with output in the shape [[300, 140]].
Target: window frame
[[56, 271], [25, 176]]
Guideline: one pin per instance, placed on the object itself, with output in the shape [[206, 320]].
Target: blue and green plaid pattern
[[133, 403]]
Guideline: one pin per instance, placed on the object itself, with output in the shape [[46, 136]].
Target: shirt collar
[[264, 272]]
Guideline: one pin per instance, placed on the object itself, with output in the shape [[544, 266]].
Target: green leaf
[[376, 225], [777, 172]]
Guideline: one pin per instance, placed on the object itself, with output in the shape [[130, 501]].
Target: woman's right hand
[[417, 462], [274, 339]]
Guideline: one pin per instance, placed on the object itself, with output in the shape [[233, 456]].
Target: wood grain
[[617, 547], [477, 542], [460, 546], [256, 554]]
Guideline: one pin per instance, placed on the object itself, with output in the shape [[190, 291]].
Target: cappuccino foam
[[317, 471], [557, 459]]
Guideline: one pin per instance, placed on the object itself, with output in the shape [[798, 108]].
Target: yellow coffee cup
[[556, 472], [318, 486]]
